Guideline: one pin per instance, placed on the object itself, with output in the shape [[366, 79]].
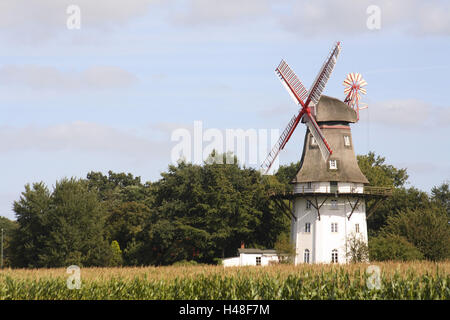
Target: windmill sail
[[282, 140], [292, 83], [323, 75], [318, 136], [298, 92]]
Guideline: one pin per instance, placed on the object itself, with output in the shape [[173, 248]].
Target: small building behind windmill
[[252, 257]]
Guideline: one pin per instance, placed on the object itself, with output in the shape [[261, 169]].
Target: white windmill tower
[[328, 194]]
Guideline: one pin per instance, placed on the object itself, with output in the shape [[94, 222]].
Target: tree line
[[201, 213]]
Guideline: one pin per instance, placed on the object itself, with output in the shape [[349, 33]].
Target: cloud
[[36, 21], [201, 12], [409, 112], [51, 78], [322, 17], [80, 136]]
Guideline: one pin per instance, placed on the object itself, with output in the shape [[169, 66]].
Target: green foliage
[[116, 259], [31, 211], [285, 249], [427, 229], [441, 195], [392, 247], [185, 263], [61, 228], [205, 212], [380, 174], [194, 213], [401, 199], [356, 249], [9, 228], [286, 173]]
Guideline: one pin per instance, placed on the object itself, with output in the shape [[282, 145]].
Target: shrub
[[392, 247]]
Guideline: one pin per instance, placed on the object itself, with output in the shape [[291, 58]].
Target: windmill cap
[[333, 109]]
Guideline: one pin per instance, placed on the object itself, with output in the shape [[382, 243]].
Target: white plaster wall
[[231, 262], [303, 240], [249, 259], [321, 241]]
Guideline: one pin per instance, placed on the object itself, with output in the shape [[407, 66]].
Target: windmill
[[354, 84], [328, 202], [307, 100]]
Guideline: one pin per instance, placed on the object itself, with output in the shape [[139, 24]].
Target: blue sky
[[107, 96]]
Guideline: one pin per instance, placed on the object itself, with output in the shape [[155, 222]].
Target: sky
[[109, 94]]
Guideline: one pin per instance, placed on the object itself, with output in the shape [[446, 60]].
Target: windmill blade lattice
[[323, 75]]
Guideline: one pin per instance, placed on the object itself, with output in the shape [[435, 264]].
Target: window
[[347, 141], [313, 141], [258, 261], [334, 227], [334, 256], [308, 204], [306, 256], [308, 185], [334, 204], [333, 186], [333, 165], [357, 228], [307, 227]]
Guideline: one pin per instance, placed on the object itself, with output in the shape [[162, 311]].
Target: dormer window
[[313, 141], [333, 165], [347, 141]]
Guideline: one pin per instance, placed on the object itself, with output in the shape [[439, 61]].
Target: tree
[[61, 228], [285, 249], [426, 229], [9, 228], [356, 249], [441, 195], [380, 174], [214, 207], [401, 199], [392, 247], [116, 259], [31, 210], [285, 174], [125, 223]]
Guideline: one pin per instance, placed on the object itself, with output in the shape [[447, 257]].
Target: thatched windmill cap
[[332, 109], [334, 117]]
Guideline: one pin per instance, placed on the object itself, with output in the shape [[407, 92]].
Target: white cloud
[[320, 17], [408, 112], [35, 21], [51, 78], [80, 136], [200, 12]]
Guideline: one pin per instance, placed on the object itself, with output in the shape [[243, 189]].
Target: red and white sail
[[304, 98], [354, 87]]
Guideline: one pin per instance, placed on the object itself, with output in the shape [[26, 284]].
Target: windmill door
[[333, 187]]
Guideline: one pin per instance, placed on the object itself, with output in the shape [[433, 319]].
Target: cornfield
[[416, 280]]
